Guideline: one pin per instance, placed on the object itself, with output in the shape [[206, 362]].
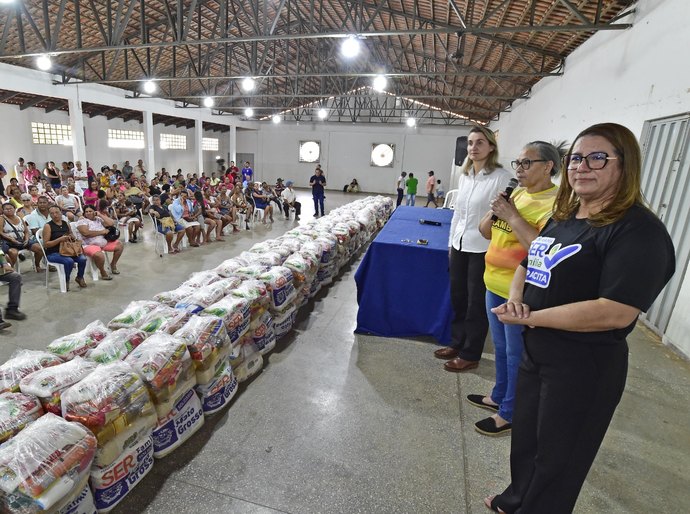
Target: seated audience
[[16, 236], [90, 196], [93, 228], [182, 210], [353, 187], [262, 202], [55, 232], [127, 215], [166, 225], [241, 205], [290, 201], [68, 204], [207, 216]]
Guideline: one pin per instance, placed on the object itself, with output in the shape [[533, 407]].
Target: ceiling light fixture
[[411, 122], [350, 47], [322, 114], [43, 62], [380, 83], [209, 102], [249, 112], [150, 87], [276, 118], [248, 84], [6, 1]]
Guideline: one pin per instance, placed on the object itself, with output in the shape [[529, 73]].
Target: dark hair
[[89, 207], [551, 152]]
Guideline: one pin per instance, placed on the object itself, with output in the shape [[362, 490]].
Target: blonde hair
[[629, 190], [492, 160]]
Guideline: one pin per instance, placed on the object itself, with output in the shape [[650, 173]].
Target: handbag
[[113, 234], [71, 248], [167, 222]]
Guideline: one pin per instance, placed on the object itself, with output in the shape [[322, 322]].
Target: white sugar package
[[23, 363], [263, 335], [280, 284], [117, 345], [201, 279], [113, 483], [182, 422], [115, 405], [44, 464], [47, 384], [174, 296], [17, 410], [234, 312], [132, 314], [164, 364], [219, 391], [77, 344], [163, 319], [228, 267]]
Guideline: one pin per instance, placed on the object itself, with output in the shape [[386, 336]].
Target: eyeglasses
[[525, 163], [595, 160]]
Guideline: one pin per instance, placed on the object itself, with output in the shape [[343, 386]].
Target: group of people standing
[[559, 276], [406, 185]]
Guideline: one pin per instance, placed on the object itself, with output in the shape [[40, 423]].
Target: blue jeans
[[318, 203], [68, 263], [410, 200], [508, 346]]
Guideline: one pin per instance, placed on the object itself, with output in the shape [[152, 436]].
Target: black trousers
[[400, 197], [468, 297], [14, 280], [296, 205], [565, 398]]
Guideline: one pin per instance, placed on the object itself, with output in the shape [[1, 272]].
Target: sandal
[[106, 277], [114, 271]]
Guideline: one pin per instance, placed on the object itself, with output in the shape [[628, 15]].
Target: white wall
[[15, 142], [626, 77], [346, 152]]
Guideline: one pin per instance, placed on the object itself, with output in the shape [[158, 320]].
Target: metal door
[[666, 187]]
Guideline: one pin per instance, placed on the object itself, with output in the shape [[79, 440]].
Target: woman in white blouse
[[482, 178]]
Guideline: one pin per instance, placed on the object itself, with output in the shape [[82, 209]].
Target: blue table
[[402, 287]]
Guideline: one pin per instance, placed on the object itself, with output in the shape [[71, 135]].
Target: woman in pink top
[[90, 196], [29, 173]]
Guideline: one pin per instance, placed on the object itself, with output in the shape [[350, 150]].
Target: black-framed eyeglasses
[[595, 160], [525, 163]]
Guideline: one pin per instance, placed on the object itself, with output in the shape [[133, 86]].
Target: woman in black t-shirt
[[587, 276]]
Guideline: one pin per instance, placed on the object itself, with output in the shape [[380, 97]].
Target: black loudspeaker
[[460, 150]]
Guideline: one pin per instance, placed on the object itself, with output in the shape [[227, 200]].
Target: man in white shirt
[[139, 169], [290, 200], [400, 187]]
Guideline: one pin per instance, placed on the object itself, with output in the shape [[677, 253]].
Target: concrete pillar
[[149, 145], [76, 121], [232, 154], [198, 137]]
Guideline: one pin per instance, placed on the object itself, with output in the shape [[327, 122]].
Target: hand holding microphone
[[505, 194]]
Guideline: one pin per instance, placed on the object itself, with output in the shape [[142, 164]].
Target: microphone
[[506, 194], [430, 222]]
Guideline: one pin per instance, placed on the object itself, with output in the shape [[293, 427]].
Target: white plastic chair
[[91, 268], [449, 202], [158, 237], [58, 267]]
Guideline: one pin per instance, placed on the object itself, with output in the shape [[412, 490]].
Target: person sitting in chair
[[353, 187]]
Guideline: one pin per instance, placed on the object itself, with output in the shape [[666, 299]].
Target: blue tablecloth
[[402, 287]]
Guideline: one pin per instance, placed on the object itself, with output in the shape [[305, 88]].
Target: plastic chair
[[449, 202], [124, 229], [158, 237], [58, 267], [91, 268]]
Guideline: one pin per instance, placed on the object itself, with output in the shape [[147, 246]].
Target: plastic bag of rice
[[77, 344]]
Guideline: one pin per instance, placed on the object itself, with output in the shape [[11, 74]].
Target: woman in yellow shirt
[[519, 220]]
